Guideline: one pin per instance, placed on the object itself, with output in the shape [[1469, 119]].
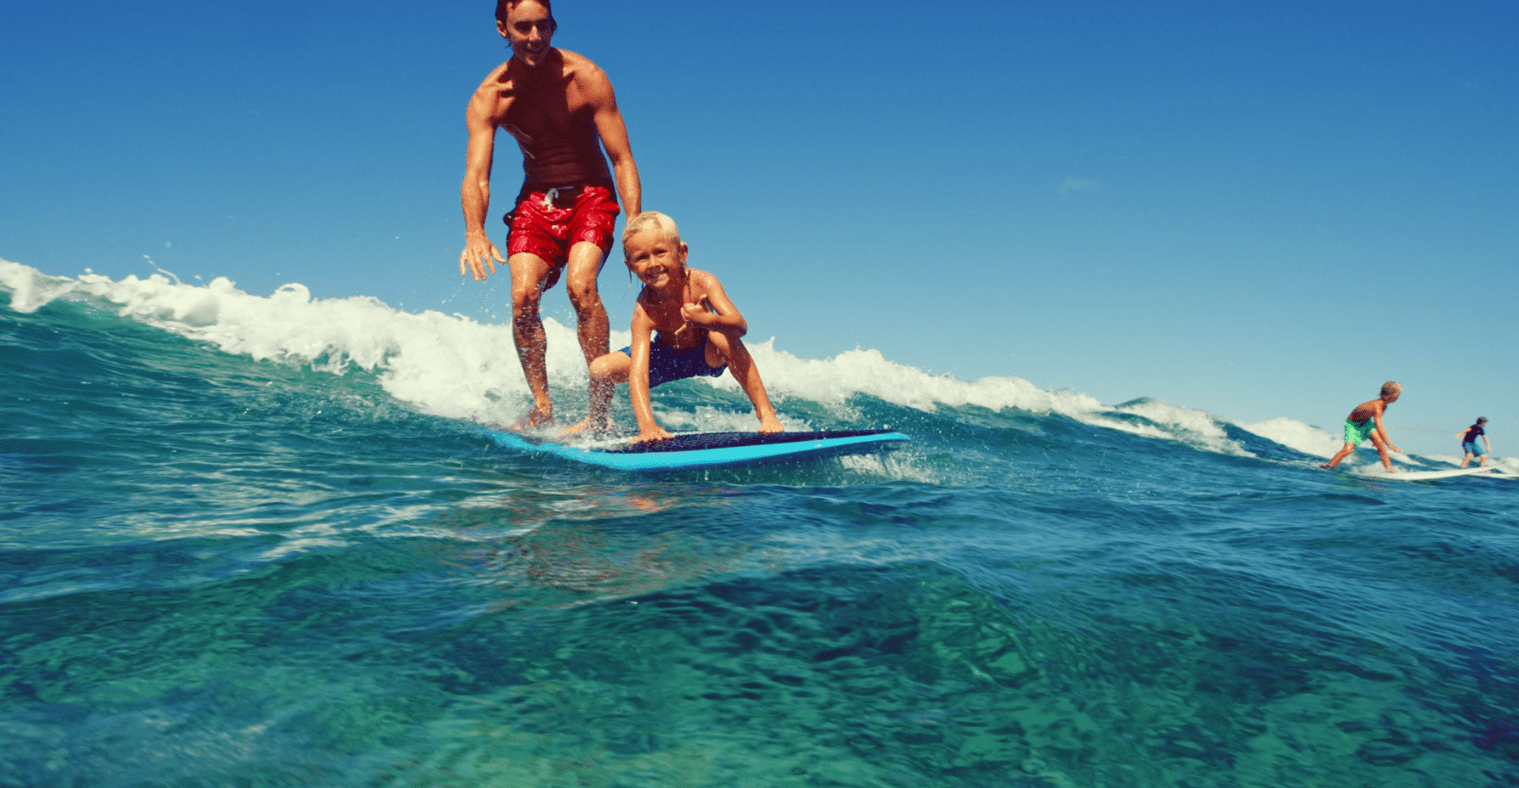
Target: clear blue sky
[[1257, 209]]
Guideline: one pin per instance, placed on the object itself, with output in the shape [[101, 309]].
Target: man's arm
[[614, 138], [475, 194]]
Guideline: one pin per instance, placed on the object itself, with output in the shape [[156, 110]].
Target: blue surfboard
[[701, 450]]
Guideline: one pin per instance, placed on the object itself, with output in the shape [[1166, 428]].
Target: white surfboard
[[1422, 476]]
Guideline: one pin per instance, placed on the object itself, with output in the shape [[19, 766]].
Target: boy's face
[[1393, 396], [653, 258]]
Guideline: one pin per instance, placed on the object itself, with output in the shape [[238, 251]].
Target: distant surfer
[[1469, 443], [1366, 422], [557, 105], [699, 328]]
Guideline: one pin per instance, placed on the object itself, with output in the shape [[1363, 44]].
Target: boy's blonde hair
[[650, 220], [1391, 387]]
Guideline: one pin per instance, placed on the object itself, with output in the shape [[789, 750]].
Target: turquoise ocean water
[[257, 541]]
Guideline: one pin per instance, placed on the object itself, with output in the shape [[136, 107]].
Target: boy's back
[[1369, 409]]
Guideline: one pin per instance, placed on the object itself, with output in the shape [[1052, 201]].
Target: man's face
[[528, 27]]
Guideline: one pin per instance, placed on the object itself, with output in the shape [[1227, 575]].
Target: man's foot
[[1326, 466], [770, 425], [535, 419]]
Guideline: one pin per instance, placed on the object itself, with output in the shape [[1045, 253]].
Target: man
[[556, 104]]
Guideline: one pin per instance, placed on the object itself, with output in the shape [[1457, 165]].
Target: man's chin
[[533, 59]]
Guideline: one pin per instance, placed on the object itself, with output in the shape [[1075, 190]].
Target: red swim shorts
[[548, 228]]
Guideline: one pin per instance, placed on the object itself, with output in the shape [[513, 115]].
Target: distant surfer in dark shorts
[[1365, 421], [560, 108], [1469, 443]]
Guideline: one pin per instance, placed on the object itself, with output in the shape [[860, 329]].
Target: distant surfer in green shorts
[[1366, 422]]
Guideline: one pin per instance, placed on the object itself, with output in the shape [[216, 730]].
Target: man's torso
[[552, 119]]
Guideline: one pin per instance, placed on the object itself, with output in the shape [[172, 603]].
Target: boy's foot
[[588, 426], [1326, 466]]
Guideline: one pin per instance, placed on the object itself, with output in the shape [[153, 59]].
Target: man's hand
[[478, 254]]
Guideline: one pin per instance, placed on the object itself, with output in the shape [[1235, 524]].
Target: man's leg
[[528, 272], [590, 327]]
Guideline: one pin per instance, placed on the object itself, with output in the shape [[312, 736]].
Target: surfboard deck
[[1424, 476], [703, 450]]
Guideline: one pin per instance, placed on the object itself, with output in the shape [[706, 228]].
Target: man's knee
[[584, 296], [525, 304]]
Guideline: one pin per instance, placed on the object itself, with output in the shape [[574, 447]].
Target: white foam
[[453, 366], [31, 289], [1294, 434]]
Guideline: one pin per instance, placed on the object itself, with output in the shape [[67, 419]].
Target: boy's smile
[[654, 259]]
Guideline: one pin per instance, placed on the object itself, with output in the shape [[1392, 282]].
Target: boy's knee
[[610, 365]]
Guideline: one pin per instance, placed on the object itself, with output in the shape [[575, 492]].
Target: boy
[[1469, 443], [1366, 422], [699, 328]]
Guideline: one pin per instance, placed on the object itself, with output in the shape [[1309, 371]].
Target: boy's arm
[[638, 379], [1383, 430], [727, 320]]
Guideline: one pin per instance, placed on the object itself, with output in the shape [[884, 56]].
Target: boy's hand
[[697, 313], [654, 433], [1394, 448]]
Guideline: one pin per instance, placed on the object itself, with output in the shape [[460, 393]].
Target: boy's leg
[[1343, 453], [1376, 440], [612, 367], [743, 369], [1466, 459]]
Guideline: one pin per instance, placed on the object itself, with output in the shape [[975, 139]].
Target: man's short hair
[[1389, 387], [504, 8], [652, 220]]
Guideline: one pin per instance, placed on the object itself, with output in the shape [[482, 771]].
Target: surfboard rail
[[703, 450]]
